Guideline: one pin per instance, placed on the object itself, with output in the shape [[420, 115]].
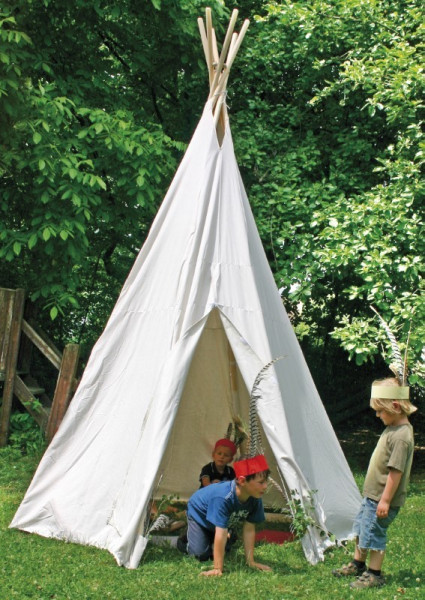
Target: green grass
[[45, 569]]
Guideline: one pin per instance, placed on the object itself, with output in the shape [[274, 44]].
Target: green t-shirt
[[394, 450]]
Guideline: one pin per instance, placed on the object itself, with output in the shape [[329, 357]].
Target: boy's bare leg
[[359, 553], [376, 558]]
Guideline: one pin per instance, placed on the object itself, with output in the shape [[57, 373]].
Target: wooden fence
[[17, 339]]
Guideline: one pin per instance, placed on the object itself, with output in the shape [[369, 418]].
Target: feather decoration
[[229, 431], [255, 444], [240, 434], [398, 367], [405, 369], [162, 522]]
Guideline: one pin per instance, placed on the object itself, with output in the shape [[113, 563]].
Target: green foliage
[[42, 568], [331, 149], [301, 513], [326, 105], [85, 115], [25, 434]]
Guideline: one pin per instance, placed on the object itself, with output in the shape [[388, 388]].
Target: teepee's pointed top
[[219, 64]]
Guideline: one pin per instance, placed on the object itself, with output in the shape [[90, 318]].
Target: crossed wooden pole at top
[[219, 64]]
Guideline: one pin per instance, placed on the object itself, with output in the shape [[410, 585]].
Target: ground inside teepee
[[171, 523]]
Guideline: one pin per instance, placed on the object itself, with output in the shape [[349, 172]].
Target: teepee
[[197, 319]]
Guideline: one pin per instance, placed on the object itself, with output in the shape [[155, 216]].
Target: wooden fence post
[[12, 333], [64, 388]]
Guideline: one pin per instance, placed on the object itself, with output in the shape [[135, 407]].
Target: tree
[[331, 149], [92, 112], [326, 102]]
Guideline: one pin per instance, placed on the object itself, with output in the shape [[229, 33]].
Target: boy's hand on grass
[[259, 566], [212, 573]]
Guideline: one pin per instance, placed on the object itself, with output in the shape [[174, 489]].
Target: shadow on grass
[[406, 578]]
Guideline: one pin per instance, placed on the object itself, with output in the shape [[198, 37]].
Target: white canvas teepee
[[198, 317]]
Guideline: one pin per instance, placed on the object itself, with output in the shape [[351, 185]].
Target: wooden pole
[[215, 49], [13, 331], [64, 388], [208, 20], [224, 50], [221, 88], [219, 65], [204, 40], [237, 45]]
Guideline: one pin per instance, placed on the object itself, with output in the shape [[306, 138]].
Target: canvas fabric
[[156, 393]]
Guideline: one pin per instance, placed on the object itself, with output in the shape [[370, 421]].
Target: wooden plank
[[7, 298], [10, 363], [26, 347], [50, 353], [31, 403], [64, 388]]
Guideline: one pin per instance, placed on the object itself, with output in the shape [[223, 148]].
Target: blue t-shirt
[[214, 505]]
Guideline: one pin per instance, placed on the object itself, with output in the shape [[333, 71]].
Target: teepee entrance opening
[[214, 394]]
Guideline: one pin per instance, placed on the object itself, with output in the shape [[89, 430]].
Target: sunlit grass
[[45, 569]]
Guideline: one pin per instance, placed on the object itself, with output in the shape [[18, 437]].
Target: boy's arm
[[393, 481], [248, 542], [220, 540]]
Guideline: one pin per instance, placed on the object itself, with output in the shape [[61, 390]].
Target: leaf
[[32, 241], [36, 137], [53, 313]]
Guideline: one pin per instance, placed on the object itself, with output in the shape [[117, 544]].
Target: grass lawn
[[45, 569]]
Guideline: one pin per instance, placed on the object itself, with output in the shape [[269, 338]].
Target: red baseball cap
[[228, 444]]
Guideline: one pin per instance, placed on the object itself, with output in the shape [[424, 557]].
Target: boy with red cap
[[210, 508], [218, 469]]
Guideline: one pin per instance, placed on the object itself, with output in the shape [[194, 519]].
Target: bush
[[25, 434]]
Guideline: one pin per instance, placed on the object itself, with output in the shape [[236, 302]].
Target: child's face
[[222, 456], [388, 418], [257, 486]]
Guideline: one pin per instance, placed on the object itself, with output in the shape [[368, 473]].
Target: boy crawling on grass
[[209, 510], [385, 485]]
